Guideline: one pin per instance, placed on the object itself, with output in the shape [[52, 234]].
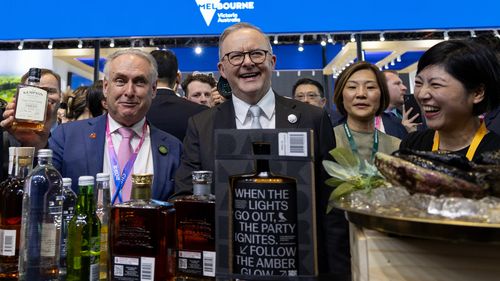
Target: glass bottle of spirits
[[84, 235], [11, 170], [11, 200], [142, 236], [68, 210], [31, 103], [264, 220], [39, 241], [195, 224], [103, 209]]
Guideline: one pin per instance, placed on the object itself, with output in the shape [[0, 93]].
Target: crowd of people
[[457, 82]]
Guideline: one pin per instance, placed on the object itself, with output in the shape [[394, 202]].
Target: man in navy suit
[[90, 146]]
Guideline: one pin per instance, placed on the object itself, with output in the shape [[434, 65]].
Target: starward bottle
[[68, 210], [83, 235], [31, 103], [103, 209], [142, 236], [195, 224], [263, 209], [11, 201], [39, 248]]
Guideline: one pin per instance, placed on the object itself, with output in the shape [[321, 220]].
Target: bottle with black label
[[264, 220], [195, 220]]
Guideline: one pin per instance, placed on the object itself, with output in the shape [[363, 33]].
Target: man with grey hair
[[91, 146]]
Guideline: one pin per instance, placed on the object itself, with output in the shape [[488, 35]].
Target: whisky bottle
[[31, 103], [39, 241], [142, 236], [10, 170], [11, 200], [68, 210], [103, 209], [83, 249], [195, 224], [263, 208]]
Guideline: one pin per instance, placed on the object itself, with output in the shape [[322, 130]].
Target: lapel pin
[[92, 135], [163, 150], [292, 118]]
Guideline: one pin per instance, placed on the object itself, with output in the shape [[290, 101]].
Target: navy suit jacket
[[79, 150]]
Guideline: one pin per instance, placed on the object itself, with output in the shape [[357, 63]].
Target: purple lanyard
[[115, 167]]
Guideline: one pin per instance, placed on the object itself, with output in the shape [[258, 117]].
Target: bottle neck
[[45, 160], [85, 200], [201, 189], [141, 192], [103, 195], [23, 166], [262, 166], [33, 81]]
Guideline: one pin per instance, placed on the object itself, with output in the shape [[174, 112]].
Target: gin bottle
[[68, 210], [31, 103], [264, 220], [103, 208], [11, 200], [36, 259], [142, 236], [84, 235], [195, 224]]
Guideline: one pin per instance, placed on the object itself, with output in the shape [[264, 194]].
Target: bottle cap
[[86, 180], [12, 151], [202, 177], [67, 181], [25, 151], [35, 73], [44, 153], [142, 179], [102, 177]]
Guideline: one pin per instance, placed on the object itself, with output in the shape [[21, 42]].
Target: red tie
[[124, 153]]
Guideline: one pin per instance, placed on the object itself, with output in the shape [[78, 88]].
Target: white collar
[[266, 103], [114, 126]]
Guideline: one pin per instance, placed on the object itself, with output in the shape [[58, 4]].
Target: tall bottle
[[31, 103], [11, 170], [142, 236], [68, 210], [84, 235], [264, 220], [39, 246], [195, 224], [11, 200], [103, 209]]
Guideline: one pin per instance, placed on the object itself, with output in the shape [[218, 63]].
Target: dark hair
[[307, 81], [341, 81], [203, 78], [76, 102], [473, 64], [167, 66], [45, 71], [95, 96]]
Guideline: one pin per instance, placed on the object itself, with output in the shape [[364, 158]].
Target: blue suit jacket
[[79, 150]]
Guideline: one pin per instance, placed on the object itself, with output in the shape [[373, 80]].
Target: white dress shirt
[[244, 117]]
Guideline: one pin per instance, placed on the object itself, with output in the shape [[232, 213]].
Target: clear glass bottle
[[84, 236], [31, 103], [68, 210], [11, 200], [103, 209], [39, 248], [264, 220], [195, 224], [142, 236]]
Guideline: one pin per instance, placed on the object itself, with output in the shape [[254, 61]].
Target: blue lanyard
[[354, 147]]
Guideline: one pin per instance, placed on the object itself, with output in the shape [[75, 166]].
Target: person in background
[[101, 144], [456, 81], [198, 88], [95, 99], [168, 111], [76, 105], [360, 94]]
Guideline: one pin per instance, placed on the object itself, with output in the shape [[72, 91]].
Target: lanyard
[[115, 167], [478, 137], [354, 147]]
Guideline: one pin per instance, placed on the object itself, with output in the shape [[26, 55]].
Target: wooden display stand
[[379, 256]]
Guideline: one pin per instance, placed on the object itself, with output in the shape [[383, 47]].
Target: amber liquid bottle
[[264, 220], [31, 103], [142, 236], [11, 200], [195, 216]]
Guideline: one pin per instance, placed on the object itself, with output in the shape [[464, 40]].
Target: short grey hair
[[238, 26], [153, 75]]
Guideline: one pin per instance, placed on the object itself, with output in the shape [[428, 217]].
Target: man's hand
[[26, 137], [408, 122], [217, 98]]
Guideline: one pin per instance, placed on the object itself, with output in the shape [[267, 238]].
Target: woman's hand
[[408, 122]]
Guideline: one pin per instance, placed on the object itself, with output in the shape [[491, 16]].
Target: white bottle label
[[48, 242], [7, 242], [31, 104], [209, 263]]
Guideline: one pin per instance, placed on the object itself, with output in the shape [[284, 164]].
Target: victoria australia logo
[[226, 12]]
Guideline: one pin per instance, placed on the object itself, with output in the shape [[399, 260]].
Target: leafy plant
[[350, 174]]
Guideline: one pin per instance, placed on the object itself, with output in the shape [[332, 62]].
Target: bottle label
[[94, 272], [200, 263], [133, 269], [31, 104], [48, 242], [7, 242], [264, 217]]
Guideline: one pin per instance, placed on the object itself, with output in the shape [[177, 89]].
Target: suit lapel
[[94, 142], [225, 117], [285, 111]]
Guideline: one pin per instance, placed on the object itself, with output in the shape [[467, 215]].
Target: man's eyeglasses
[[310, 96], [256, 56]]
